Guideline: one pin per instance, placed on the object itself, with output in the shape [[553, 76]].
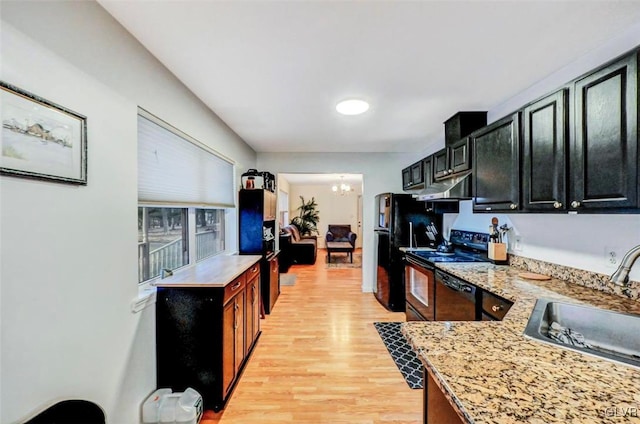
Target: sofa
[[296, 249], [341, 233]]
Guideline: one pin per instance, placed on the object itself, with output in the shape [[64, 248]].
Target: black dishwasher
[[456, 300]]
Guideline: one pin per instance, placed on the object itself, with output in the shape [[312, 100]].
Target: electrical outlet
[[517, 244], [612, 256]]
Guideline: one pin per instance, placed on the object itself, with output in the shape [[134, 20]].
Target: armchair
[[341, 233]]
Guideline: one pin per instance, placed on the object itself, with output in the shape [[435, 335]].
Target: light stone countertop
[[491, 373], [217, 271]]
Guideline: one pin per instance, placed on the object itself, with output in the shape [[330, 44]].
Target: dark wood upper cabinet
[[545, 142], [427, 167], [417, 174], [413, 176], [604, 157], [452, 159], [496, 171], [462, 124], [406, 178], [441, 164], [456, 156], [460, 155]]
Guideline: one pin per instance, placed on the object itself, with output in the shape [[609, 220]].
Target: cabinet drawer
[[252, 272], [233, 288], [495, 306]]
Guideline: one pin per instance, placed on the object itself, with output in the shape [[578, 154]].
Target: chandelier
[[341, 188]]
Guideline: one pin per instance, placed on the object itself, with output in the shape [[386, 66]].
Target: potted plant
[[308, 217]]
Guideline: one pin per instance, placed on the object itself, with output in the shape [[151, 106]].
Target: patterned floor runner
[[405, 358]]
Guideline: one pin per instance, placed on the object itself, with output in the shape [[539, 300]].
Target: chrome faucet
[[621, 276]]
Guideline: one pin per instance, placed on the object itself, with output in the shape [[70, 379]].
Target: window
[[162, 241], [183, 190], [209, 232]]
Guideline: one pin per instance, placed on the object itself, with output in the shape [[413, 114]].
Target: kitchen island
[[490, 373], [207, 325]]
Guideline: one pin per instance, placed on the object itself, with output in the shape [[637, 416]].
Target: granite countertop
[[491, 373], [217, 271]]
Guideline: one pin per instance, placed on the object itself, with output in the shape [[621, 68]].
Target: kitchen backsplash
[[581, 277]]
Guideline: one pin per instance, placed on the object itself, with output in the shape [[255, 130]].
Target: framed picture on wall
[[40, 139]]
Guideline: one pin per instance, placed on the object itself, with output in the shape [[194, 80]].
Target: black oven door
[[419, 290]]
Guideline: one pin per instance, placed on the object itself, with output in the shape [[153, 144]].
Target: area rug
[[341, 260], [405, 358], [287, 279]]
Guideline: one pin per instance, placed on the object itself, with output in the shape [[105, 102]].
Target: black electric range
[[468, 246]]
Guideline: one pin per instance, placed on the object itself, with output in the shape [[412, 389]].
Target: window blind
[[175, 170]]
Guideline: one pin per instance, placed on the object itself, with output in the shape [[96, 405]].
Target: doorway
[[339, 199]]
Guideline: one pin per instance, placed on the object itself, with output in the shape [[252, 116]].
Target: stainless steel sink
[[610, 335]]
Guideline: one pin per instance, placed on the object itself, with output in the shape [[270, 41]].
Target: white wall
[[333, 209], [381, 174], [578, 241], [68, 254]]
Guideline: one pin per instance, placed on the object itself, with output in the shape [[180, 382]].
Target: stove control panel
[[470, 239]]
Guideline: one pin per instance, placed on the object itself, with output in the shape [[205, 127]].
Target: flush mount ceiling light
[[352, 107]]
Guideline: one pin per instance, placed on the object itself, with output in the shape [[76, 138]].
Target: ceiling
[[274, 70]]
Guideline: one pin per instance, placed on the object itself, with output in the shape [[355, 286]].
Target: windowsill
[[146, 297]]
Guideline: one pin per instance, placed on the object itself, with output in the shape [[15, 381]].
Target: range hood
[[458, 187]]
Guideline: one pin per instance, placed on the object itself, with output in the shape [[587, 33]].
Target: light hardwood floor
[[320, 359]]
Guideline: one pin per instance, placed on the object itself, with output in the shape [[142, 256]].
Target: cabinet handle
[[236, 286], [496, 308], [235, 316], [451, 171], [254, 269], [575, 204], [513, 206], [557, 205]]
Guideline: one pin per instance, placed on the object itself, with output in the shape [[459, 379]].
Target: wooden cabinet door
[[239, 325], [545, 138], [406, 178], [441, 164], [604, 152], [437, 407], [228, 346], [274, 282], [233, 338], [496, 172], [252, 312], [427, 169], [417, 175], [269, 205], [460, 156]]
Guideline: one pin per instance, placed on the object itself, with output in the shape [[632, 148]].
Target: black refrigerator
[[396, 214]]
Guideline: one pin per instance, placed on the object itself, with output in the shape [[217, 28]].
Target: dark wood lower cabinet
[[270, 281], [437, 408], [204, 336], [252, 312]]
